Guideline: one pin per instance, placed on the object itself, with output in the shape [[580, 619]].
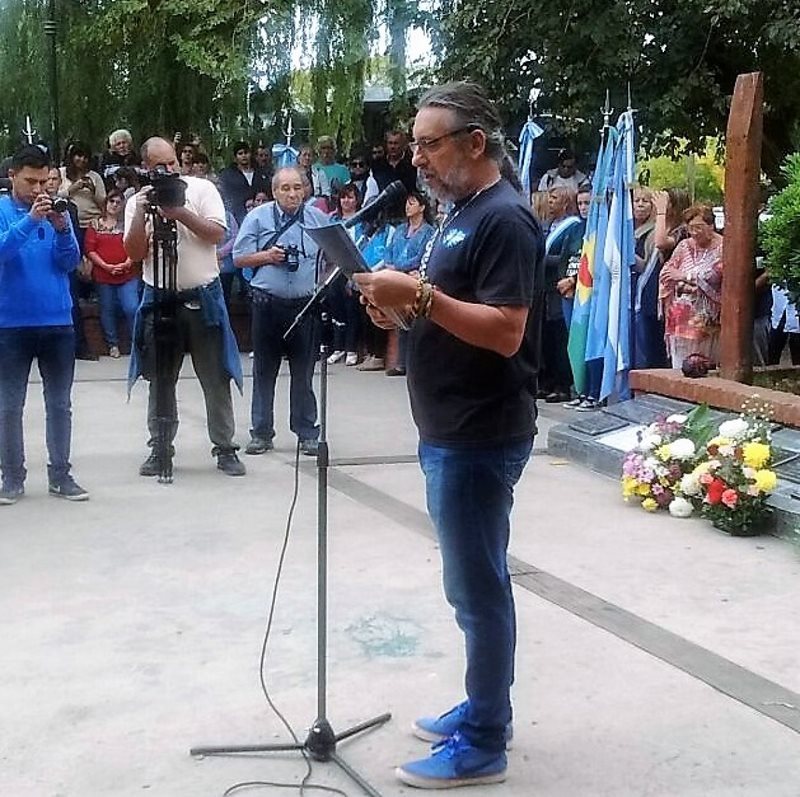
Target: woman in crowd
[[669, 229], [320, 185], [83, 186], [539, 206], [115, 277], [648, 341], [404, 253], [563, 242], [346, 307], [120, 155], [691, 290]]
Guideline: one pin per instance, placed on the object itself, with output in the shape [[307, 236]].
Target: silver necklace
[[446, 222]]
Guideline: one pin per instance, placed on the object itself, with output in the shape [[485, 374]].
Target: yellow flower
[[649, 504], [628, 486], [663, 453], [702, 468], [643, 490], [719, 441], [766, 481], [756, 455]]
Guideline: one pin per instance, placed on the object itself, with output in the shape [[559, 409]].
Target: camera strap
[[280, 230]]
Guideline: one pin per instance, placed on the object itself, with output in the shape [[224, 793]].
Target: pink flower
[[706, 478], [730, 498]]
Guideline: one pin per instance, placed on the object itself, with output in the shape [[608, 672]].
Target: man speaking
[[202, 327], [472, 368]]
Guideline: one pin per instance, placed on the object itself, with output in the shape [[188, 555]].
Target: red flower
[[715, 490], [730, 498]]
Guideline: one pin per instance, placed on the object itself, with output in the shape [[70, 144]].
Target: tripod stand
[[321, 741], [165, 309]]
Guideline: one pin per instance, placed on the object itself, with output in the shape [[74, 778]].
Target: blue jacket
[[35, 262], [215, 314]]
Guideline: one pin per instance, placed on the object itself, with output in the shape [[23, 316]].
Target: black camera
[[60, 205], [167, 190], [291, 257]]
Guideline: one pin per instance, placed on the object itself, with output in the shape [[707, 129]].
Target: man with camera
[[201, 324], [271, 240], [38, 250]]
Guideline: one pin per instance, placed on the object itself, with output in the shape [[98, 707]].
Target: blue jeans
[[54, 348], [127, 294], [470, 492]]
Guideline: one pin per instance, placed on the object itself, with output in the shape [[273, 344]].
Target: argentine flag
[[618, 259]]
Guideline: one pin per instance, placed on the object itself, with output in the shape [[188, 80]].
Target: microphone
[[392, 193]]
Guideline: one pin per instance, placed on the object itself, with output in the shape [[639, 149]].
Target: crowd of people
[[676, 285], [488, 289]]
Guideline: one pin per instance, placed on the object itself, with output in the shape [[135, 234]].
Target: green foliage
[[780, 234], [701, 177], [218, 68], [681, 60]]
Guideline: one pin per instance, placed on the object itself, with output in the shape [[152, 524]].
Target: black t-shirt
[[490, 252]]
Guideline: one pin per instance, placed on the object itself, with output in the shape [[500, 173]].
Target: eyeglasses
[[430, 144], [356, 164]]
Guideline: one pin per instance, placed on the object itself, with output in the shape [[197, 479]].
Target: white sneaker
[[352, 358], [336, 357]]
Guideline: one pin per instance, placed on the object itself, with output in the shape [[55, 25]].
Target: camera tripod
[[165, 310], [321, 741]]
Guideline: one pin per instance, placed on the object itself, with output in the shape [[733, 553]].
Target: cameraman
[[202, 325], [38, 250], [271, 240]]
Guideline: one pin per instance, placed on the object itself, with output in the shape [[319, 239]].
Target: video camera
[[167, 190]]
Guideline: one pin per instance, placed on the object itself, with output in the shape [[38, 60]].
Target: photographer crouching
[[182, 308], [271, 240]]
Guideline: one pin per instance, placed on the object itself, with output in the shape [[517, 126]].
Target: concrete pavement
[[656, 656]]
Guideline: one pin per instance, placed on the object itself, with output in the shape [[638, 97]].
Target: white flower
[[649, 442], [679, 419], [680, 507], [734, 428], [683, 448], [748, 473], [726, 451], [713, 464], [690, 484]]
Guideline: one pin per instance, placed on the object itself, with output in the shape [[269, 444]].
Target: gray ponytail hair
[[473, 110]]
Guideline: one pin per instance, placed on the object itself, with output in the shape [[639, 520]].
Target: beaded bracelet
[[423, 299]]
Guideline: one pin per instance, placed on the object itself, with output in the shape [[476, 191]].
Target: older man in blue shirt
[[272, 241], [38, 250]]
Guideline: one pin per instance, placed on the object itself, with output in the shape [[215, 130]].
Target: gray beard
[[452, 187]]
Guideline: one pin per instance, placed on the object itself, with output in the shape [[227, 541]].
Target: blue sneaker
[[437, 729], [454, 762]]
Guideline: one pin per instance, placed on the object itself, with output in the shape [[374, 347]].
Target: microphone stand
[[321, 741], [165, 289]]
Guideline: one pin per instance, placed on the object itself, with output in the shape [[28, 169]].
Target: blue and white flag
[[530, 132], [619, 257]]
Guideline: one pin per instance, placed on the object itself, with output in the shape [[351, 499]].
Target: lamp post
[[50, 31]]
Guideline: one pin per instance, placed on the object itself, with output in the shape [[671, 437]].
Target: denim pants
[[270, 321], [54, 349], [470, 492], [127, 295]]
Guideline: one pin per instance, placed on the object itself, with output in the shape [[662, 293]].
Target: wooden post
[[742, 170]]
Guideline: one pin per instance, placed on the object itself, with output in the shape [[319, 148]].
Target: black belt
[[260, 296]]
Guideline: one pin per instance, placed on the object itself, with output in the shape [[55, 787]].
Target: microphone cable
[[305, 784]]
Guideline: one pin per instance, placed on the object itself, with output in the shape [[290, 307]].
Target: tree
[[681, 59], [214, 67]]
